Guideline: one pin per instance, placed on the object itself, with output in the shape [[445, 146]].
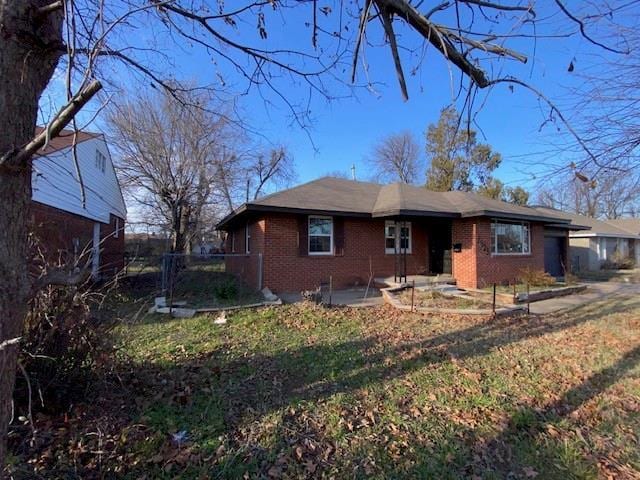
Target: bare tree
[[396, 158], [608, 194], [273, 168], [167, 158], [605, 110], [99, 41]]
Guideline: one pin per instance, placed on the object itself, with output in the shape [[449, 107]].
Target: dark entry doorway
[[553, 255], [439, 247]]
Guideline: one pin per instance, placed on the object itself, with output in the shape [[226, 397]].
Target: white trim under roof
[[607, 235]]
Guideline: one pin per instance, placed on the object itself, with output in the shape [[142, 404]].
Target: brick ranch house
[[65, 225], [351, 230]]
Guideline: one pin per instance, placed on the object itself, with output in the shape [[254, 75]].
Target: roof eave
[[512, 216], [413, 213], [253, 207], [567, 226], [606, 235]]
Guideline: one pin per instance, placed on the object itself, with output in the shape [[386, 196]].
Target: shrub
[[62, 342], [536, 278], [570, 278], [618, 261], [227, 290]]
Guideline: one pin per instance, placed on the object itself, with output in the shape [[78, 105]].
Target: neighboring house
[[349, 230], [68, 223], [606, 242]]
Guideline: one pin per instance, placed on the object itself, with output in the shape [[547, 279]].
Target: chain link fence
[[211, 280]]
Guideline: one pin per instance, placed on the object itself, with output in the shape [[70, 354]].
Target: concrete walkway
[[353, 297], [595, 291]]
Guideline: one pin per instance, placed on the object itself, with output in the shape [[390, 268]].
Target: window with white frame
[[397, 237], [101, 161], [320, 235], [510, 238], [247, 238]]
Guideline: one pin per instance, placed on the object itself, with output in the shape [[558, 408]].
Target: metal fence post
[[493, 305], [259, 271], [330, 288]]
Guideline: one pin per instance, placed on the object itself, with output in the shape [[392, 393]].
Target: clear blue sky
[[344, 130]]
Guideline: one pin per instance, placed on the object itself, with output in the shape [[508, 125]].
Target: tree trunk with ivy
[[30, 45]]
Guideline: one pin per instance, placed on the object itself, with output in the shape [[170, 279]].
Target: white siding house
[[79, 201]]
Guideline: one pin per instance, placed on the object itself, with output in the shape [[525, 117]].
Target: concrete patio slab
[[421, 281], [595, 291]]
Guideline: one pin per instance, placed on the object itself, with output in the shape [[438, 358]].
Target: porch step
[[420, 281]]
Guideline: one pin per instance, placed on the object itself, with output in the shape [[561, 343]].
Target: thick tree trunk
[[29, 51], [181, 231]]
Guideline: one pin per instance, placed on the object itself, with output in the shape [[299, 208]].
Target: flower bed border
[[390, 297], [535, 295]]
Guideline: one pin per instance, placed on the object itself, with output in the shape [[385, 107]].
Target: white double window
[[397, 237], [320, 235]]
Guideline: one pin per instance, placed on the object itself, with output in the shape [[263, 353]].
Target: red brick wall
[[246, 266], [477, 267], [56, 230], [464, 263], [286, 270], [111, 247]]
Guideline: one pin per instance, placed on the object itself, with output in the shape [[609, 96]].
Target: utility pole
[[353, 171]]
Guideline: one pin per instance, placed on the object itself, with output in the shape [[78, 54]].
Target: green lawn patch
[[302, 391]]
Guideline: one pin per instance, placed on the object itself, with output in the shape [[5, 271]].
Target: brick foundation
[[62, 236]]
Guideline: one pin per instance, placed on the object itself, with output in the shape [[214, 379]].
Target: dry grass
[[308, 392]]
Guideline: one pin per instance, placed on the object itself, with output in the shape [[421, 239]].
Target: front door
[[553, 262], [440, 247]]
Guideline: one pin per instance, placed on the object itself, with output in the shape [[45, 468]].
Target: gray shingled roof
[[605, 228], [325, 194], [340, 196], [632, 225]]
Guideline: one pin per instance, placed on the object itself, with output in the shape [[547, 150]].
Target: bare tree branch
[[63, 117]]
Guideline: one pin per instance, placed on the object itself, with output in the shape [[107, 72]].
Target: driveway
[[595, 291]]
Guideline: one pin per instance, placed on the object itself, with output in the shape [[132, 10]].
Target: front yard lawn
[[307, 392]]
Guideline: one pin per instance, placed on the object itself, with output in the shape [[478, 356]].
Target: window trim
[[494, 240], [398, 244], [247, 238], [101, 161], [331, 244]]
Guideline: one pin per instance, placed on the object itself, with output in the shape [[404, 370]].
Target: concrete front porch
[[420, 281]]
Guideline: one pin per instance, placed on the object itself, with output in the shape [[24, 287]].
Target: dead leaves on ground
[[429, 372]]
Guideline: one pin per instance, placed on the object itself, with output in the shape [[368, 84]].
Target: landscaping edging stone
[[388, 294], [535, 296]]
